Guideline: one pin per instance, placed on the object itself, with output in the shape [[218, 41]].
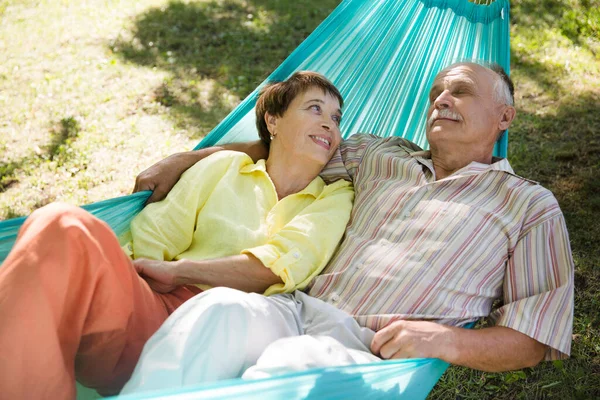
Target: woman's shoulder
[[221, 161]]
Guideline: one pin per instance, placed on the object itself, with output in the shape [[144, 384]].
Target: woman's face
[[310, 127]]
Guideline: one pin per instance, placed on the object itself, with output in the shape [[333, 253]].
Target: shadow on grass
[[545, 75], [562, 151], [536, 14], [231, 43], [578, 20], [62, 134], [7, 170]]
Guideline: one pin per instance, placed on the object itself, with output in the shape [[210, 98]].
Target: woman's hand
[[160, 275]]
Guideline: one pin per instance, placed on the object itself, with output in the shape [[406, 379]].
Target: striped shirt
[[445, 250]]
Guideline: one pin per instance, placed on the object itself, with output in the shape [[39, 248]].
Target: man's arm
[[535, 321], [162, 176], [492, 349], [243, 272]]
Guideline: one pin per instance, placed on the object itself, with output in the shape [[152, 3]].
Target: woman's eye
[[315, 107], [337, 119]]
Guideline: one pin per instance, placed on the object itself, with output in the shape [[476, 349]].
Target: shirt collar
[[498, 164], [314, 188], [261, 165]]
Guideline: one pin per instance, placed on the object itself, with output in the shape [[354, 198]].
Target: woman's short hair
[[276, 97]]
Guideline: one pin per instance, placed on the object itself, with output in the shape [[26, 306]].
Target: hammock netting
[[383, 56]]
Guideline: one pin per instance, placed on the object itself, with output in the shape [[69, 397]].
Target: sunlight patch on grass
[[59, 68]]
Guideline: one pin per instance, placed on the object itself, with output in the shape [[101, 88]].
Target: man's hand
[[160, 275], [162, 176], [493, 349], [411, 339]]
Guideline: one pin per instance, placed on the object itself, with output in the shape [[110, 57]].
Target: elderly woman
[[74, 305]]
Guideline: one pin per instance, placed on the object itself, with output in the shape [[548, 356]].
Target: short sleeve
[[538, 287]]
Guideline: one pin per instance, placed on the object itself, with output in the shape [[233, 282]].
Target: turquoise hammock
[[383, 56]]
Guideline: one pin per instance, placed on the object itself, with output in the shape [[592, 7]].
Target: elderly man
[[434, 239]]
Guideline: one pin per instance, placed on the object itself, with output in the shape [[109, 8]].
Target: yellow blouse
[[227, 205]]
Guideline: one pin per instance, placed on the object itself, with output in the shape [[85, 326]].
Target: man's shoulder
[[542, 205], [542, 198], [371, 140], [528, 186]]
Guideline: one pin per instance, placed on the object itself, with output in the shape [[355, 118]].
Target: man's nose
[[444, 100]]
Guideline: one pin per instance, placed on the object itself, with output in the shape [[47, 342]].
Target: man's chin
[[440, 131]]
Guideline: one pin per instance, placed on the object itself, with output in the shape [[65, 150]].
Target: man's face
[[462, 107]]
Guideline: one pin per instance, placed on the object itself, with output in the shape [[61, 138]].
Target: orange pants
[[73, 307]]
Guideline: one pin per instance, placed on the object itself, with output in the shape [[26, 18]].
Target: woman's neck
[[290, 176]]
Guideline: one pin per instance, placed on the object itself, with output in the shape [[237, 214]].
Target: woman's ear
[[271, 122]]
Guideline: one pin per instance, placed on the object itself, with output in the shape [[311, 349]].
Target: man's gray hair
[[504, 89]]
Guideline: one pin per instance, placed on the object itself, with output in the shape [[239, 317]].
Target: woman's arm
[[243, 272], [294, 254], [162, 176]]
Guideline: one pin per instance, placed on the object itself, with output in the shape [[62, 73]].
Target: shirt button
[[335, 298], [296, 255]]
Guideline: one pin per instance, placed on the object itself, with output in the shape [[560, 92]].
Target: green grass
[[93, 92]]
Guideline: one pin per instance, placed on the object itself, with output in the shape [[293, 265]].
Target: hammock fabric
[[383, 56]]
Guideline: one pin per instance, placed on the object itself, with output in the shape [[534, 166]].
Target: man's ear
[[507, 117], [271, 122]]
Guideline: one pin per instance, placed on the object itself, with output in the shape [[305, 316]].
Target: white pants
[[225, 333]]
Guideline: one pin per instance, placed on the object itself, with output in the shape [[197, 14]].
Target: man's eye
[[337, 119]]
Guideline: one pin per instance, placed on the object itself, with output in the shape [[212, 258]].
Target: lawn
[[93, 92]]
